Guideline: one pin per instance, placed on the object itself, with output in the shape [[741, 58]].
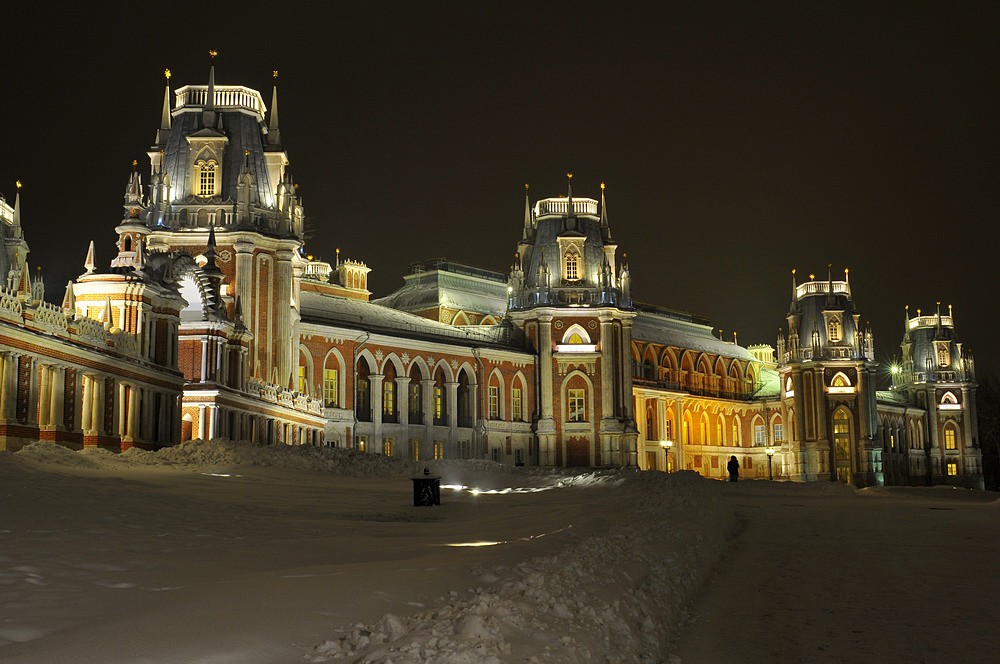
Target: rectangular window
[[389, 397], [759, 435], [387, 446], [667, 430], [577, 407], [206, 180], [302, 379], [464, 451], [952, 469], [494, 402], [779, 433], [516, 411], [892, 441], [331, 388], [495, 454], [360, 444], [949, 439], [438, 449], [518, 457], [438, 403], [415, 450], [415, 407]]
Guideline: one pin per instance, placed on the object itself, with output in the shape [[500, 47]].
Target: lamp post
[[666, 445], [770, 455]]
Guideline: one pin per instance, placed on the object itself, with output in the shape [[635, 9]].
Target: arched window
[[834, 330], [363, 407], [576, 404], [840, 380], [842, 445], [943, 357], [207, 173], [416, 396], [389, 411], [331, 382], [572, 265], [950, 437], [704, 431], [517, 400]]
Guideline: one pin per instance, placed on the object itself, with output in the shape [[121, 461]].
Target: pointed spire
[[527, 213], [89, 263], [605, 226], [569, 195], [140, 256], [17, 205], [208, 115], [165, 115], [69, 299], [106, 318], [794, 287], [273, 131], [847, 280], [210, 254], [24, 285]]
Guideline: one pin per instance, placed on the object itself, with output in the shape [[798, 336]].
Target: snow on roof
[[673, 331], [890, 397], [436, 288], [770, 382], [374, 317]]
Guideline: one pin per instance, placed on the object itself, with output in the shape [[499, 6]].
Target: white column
[[58, 397], [44, 394], [375, 387], [133, 413], [403, 402], [87, 405], [97, 403], [282, 305]]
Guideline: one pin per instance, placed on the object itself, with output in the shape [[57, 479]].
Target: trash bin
[[426, 490]]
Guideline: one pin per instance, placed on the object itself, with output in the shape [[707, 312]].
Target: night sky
[[736, 142]]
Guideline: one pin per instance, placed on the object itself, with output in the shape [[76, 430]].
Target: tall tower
[[218, 162], [827, 372], [570, 295], [937, 374]]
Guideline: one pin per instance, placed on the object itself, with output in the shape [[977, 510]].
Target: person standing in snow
[[734, 469]]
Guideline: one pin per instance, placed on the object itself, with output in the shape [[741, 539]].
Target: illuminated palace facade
[[211, 320]]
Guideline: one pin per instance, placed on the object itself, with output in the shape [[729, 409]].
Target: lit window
[[207, 175], [834, 330], [759, 435], [438, 449], [950, 442], [840, 381], [494, 402], [415, 450], [952, 468], [577, 406], [942, 354], [302, 379], [387, 446], [438, 402], [516, 411], [779, 433], [704, 432], [389, 397], [572, 267], [667, 429], [331, 388], [575, 338], [415, 407], [361, 443], [718, 433], [736, 433]]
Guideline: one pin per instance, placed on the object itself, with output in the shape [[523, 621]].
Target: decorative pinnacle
[[166, 73], [526, 187], [246, 153], [274, 73], [18, 184], [135, 162], [212, 53], [569, 175], [602, 186]]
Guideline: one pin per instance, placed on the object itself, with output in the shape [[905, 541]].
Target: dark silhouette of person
[[734, 469]]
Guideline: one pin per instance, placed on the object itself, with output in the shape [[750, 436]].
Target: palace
[[211, 320]]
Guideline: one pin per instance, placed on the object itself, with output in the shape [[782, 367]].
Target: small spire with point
[[16, 221], [273, 132], [69, 299], [208, 116], [90, 263], [527, 213], [569, 194], [605, 226], [165, 119]]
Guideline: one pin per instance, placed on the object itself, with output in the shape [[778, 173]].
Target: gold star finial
[[274, 73], [526, 186], [246, 153], [602, 186], [135, 162], [212, 53], [18, 184], [166, 73], [569, 175]]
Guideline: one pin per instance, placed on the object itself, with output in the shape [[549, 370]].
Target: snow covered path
[[883, 575]]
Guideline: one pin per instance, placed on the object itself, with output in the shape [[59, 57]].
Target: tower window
[[835, 330], [942, 355], [515, 404], [207, 176], [494, 402], [577, 406], [950, 441], [572, 266], [331, 387]]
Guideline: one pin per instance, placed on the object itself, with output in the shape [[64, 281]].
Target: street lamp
[[666, 445], [770, 455]]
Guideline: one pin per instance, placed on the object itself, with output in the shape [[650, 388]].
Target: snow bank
[[41, 453], [613, 598]]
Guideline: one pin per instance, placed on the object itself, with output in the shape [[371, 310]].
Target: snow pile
[[611, 598], [42, 453]]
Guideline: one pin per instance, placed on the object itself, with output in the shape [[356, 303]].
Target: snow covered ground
[[222, 553]]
